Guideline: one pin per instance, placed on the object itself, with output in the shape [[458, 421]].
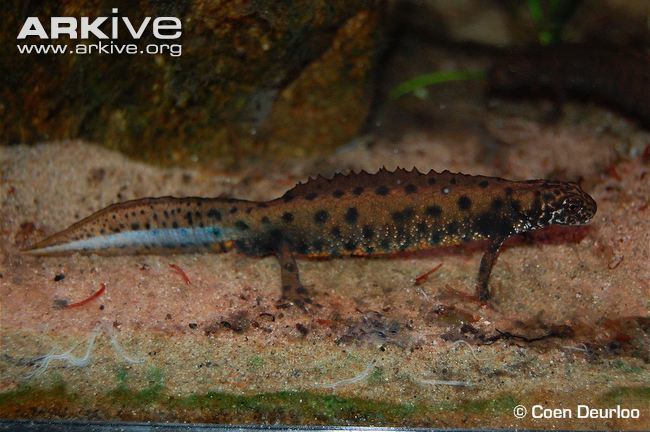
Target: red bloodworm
[[425, 276], [180, 271], [100, 291]]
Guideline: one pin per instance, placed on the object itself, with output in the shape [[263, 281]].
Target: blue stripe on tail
[[153, 238]]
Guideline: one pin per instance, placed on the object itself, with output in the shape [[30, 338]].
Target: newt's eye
[[572, 205]]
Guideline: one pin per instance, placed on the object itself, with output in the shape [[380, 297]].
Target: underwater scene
[[381, 213]]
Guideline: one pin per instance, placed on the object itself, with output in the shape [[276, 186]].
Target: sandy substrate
[[568, 325]]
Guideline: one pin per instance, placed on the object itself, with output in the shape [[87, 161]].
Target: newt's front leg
[[293, 292], [487, 262]]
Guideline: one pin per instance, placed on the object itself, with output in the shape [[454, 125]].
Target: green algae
[[28, 392], [122, 393], [376, 376], [626, 367], [300, 405], [285, 406], [628, 394], [499, 405], [256, 362], [29, 401]]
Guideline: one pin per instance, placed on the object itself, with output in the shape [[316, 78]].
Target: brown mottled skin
[[618, 76], [356, 214]]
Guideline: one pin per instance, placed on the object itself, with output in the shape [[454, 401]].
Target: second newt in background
[[617, 76], [349, 215]]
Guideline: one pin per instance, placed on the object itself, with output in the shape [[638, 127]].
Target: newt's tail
[[151, 225]]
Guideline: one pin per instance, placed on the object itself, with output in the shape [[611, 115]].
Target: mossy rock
[[254, 79]]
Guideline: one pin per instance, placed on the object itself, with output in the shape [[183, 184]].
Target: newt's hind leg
[[487, 262], [293, 292]]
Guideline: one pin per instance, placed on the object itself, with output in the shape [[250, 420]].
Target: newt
[[617, 76], [358, 214]]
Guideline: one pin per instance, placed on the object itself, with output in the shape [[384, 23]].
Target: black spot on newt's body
[[403, 216], [311, 196], [434, 211], [265, 219], [357, 190], [233, 210], [352, 215], [483, 184], [287, 197], [174, 224], [422, 227], [367, 231], [382, 190], [497, 204], [276, 237], [410, 188], [338, 193], [317, 245], [302, 247], [336, 232], [452, 228], [406, 242], [385, 244], [536, 208], [241, 225], [321, 216], [188, 217], [492, 225], [464, 203], [350, 245], [435, 238], [287, 217], [516, 205]]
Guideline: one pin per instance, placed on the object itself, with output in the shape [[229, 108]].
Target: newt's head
[[566, 204]]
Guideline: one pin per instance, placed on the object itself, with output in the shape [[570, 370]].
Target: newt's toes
[[302, 302]]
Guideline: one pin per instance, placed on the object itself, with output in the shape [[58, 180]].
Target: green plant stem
[[438, 77]]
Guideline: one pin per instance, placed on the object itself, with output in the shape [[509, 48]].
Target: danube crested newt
[[358, 214], [617, 76]]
